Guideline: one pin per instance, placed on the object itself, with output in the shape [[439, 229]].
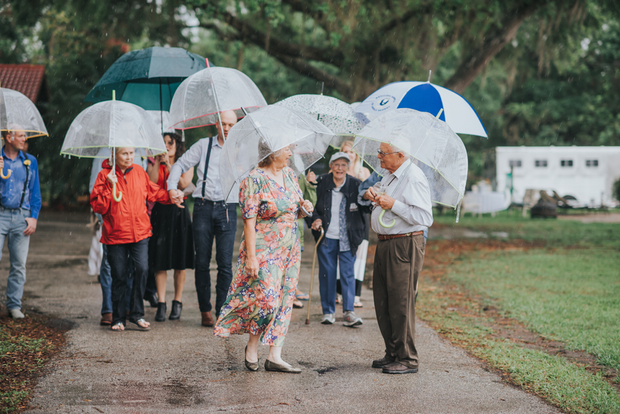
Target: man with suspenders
[[20, 203], [213, 217]]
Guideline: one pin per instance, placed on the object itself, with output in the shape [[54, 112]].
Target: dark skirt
[[172, 244]]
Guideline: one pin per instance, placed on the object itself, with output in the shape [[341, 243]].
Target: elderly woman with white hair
[[126, 231], [340, 214], [260, 297]]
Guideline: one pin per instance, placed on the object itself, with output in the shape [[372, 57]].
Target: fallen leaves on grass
[[25, 346]]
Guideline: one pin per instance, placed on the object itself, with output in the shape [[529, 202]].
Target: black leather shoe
[[152, 299], [272, 366], [252, 366], [175, 313], [380, 363], [160, 316], [398, 368]]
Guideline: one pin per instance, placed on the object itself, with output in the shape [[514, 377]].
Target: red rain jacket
[[126, 221]]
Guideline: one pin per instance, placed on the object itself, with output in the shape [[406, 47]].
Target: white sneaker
[[351, 319], [328, 319], [16, 313]]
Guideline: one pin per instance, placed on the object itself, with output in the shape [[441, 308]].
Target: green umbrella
[[147, 77]]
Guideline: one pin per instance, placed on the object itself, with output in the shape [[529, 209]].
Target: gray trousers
[[398, 263]]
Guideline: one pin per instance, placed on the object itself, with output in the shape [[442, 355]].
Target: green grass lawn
[[568, 295], [552, 231], [567, 289]]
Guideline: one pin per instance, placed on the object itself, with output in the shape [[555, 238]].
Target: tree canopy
[[538, 72]]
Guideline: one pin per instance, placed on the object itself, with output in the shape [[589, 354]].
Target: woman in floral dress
[[260, 298]]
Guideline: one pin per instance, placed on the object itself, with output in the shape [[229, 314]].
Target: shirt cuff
[[361, 201], [400, 209]]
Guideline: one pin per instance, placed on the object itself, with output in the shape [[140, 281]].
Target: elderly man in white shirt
[[213, 218], [406, 197]]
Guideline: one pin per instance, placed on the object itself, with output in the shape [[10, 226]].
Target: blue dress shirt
[[11, 188]]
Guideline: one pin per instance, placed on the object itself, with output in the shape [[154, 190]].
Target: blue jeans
[[105, 279], [213, 220], [329, 253], [12, 225], [119, 257]]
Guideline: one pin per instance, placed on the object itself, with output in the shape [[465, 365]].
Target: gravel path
[[180, 367]]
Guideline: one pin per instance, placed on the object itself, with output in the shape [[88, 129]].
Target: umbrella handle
[[114, 196], [7, 175], [387, 226]]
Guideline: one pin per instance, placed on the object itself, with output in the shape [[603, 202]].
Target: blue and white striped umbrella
[[425, 97]]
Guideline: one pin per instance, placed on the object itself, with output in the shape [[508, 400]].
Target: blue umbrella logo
[[383, 102]]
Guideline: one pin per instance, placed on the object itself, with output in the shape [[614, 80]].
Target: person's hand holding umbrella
[[112, 179], [306, 207], [384, 201]]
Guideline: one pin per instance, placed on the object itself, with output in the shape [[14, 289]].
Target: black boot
[[175, 313], [160, 316], [152, 299]]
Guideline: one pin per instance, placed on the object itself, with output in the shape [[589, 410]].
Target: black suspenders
[[204, 176], [25, 184]]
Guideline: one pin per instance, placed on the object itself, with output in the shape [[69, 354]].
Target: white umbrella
[[264, 132], [201, 97], [18, 112], [335, 114], [435, 148], [426, 97], [112, 124]]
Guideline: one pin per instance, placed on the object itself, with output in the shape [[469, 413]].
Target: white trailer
[[586, 173]]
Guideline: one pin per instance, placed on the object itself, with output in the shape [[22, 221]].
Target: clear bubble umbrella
[[335, 114], [434, 147], [112, 124], [19, 112], [264, 132], [201, 97]]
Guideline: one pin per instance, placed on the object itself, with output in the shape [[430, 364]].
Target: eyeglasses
[[383, 154]]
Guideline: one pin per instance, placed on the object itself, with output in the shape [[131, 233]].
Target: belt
[[205, 201], [395, 236]]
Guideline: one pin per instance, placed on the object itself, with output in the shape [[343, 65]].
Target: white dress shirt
[[197, 155], [333, 232], [412, 210]]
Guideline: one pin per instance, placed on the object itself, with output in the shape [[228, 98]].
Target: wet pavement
[[180, 367]]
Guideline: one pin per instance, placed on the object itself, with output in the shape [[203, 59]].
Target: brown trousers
[[398, 263]]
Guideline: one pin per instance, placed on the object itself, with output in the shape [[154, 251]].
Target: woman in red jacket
[[126, 230]]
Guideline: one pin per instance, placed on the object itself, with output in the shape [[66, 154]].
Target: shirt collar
[[216, 142], [339, 188], [20, 154], [401, 169]]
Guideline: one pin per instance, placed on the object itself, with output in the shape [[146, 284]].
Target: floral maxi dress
[[263, 305]]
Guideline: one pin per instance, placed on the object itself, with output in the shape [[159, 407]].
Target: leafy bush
[[616, 189]]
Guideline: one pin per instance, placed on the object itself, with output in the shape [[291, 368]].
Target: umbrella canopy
[[425, 97], [112, 124], [435, 148], [264, 132], [335, 114], [147, 77], [17, 112], [205, 94]]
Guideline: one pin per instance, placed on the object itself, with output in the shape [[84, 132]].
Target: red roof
[[26, 79]]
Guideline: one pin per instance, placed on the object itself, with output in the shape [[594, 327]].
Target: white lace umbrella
[[335, 114], [435, 148], [264, 132], [18, 112], [112, 124], [204, 95]]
